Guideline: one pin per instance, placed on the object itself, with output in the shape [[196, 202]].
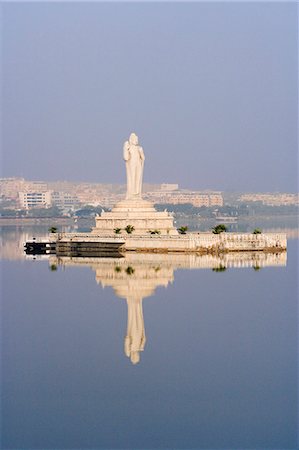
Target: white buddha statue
[[134, 157]]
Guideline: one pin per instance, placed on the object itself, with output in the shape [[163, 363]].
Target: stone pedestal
[[138, 213]]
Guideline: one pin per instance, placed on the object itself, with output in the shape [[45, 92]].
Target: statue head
[[133, 139]]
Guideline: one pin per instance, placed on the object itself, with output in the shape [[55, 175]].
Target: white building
[[183, 196], [29, 200], [64, 200], [169, 187], [276, 199]]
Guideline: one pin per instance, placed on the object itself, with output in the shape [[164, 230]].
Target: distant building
[[36, 186], [279, 199], [64, 200], [29, 200], [169, 187], [10, 187], [195, 198], [65, 194]]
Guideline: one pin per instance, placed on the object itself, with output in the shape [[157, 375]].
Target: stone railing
[[184, 243], [209, 242]]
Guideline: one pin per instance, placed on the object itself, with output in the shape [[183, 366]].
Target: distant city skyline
[[146, 186], [211, 89]]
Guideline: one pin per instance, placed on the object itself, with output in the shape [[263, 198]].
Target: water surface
[[148, 354]]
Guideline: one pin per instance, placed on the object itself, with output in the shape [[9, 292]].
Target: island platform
[[88, 244]]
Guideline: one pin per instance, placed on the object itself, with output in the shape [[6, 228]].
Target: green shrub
[[183, 230], [219, 228], [129, 229]]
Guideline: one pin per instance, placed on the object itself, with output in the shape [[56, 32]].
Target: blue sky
[[210, 89]]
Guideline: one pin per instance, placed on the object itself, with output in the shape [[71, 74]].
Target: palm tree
[[219, 229], [183, 230], [129, 229]]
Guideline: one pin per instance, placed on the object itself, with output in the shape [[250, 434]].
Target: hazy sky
[[210, 89]]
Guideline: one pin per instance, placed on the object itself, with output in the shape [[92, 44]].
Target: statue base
[[138, 213]]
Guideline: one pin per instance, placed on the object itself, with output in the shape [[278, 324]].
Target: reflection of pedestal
[[139, 213]]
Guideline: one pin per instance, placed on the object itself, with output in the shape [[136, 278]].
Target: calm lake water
[[148, 353]]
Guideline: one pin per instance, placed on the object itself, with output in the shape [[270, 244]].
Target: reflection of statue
[[134, 157], [137, 275], [135, 338], [134, 279]]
